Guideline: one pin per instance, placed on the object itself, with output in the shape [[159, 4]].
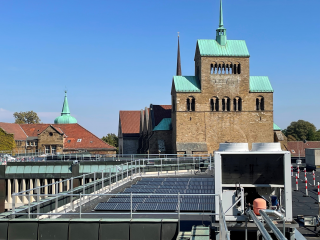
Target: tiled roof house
[[52, 138]]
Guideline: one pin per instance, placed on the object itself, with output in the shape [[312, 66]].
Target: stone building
[[63, 137], [129, 132], [220, 103]]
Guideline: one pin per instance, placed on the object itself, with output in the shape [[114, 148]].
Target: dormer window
[[79, 140]]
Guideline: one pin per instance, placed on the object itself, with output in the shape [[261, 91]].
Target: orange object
[[259, 203]]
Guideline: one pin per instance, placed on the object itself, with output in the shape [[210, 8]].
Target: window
[[260, 103], [51, 134], [226, 104], [79, 140], [225, 68], [36, 143], [47, 148], [191, 104], [69, 141], [53, 149], [214, 104], [237, 104]]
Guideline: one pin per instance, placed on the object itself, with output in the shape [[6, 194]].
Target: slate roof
[[130, 122], [295, 146], [15, 129], [164, 125], [233, 48]]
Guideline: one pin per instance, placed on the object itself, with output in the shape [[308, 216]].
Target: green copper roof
[[276, 127], [164, 125], [186, 84], [65, 107], [233, 48], [260, 84], [65, 117]]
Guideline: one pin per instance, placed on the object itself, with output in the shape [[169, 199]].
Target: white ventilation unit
[[234, 147], [266, 147]]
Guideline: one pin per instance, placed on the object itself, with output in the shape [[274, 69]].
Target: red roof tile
[[161, 112], [32, 130], [73, 132], [15, 129], [130, 122], [299, 146], [88, 139]]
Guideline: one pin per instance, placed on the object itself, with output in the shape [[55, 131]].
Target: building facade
[[220, 103]]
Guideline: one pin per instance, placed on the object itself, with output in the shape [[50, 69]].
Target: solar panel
[[166, 207]]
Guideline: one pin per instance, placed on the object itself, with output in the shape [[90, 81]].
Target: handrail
[[273, 227], [260, 226]]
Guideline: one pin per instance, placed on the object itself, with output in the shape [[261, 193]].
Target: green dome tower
[[65, 117]]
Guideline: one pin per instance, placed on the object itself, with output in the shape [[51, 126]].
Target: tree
[[301, 130], [111, 139], [29, 117]]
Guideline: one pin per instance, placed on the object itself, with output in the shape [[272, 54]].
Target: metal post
[[110, 179], [29, 205], [178, 163], [13, 204], [83, 183], [178, 211], [102, 184], [127, 172], [71, 197], [131, 171], [94, 182], [131, 205], [80, 206], [210, 162], [117, 175], [38, 198], [139, 168], [122, 172], [161, 165]]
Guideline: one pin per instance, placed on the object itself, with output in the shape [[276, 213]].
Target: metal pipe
[[260, 226], [273, 227]]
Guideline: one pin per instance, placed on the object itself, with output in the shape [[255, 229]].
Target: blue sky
[[121, 55]]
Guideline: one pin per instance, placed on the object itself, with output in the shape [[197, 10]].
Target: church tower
[[221, 102], [65, 117]]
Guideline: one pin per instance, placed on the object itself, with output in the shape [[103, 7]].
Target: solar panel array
[[153, 202]]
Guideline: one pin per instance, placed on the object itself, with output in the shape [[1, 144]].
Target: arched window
[[236, 68], [260, 103], [226, 104], [229, 68], [237, 104], [191, 104], [214, 104]]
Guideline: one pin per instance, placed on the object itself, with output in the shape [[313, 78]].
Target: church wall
[[166, 137], [203, 130], [130, 145]]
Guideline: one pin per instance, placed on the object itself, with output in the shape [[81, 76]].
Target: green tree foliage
[[7, 142], [111, 139], [29, 117], [301, 130]]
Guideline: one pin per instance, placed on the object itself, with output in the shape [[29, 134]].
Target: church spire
[[65, 107], [178, 59], [65, 117], [221, 15], [221, 36]]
